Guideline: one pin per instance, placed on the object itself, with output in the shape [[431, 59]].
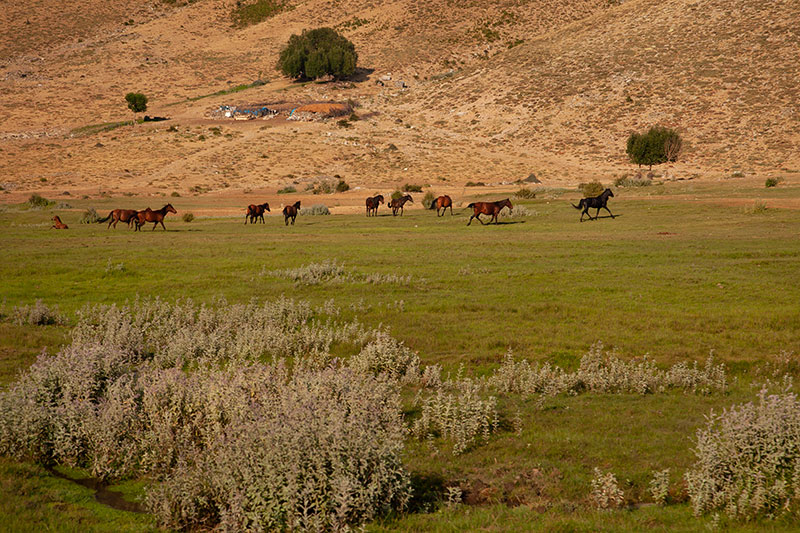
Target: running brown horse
[[488, 208], [290, 211], [119, 215], [398, 203], [156, 217], [57, 224], [442, 202], [255, 212], [372, 204]]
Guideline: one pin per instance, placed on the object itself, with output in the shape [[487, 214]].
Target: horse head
[[608, 192], [265, 205], [379, 198], [297, 204], [169, 209]]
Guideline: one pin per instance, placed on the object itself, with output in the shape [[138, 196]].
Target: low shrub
[[748, 459], [659, 487], [187, 217], [397, 194], [36, 314], [593, 188], [635, 181], [428, 199], [475, 184], [519, 211], [525, 193], [35, 201], [606, 493], [316, 209], [89, 216], [246, 13], [408, 187], [772, 182], [758, 208], [385, 355], [287, 190], [315, 273], [342, 186]]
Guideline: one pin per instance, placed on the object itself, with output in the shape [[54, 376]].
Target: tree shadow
[[361, 74]]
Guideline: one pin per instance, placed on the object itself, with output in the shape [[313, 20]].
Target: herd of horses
[[255, 212]]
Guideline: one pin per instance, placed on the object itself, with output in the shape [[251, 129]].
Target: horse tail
[[471, 205], [579, 206], [433, 204], [101, 220]]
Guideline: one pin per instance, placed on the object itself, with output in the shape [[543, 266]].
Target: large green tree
[[658, 145], [317, 53]]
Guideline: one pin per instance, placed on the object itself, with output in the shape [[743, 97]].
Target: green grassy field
[[671, 277]]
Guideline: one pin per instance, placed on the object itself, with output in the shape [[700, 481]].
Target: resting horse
[[156, 217], [255, 212], [442, 202], [595, 202], [57, 224], [398, 203], [372, 204], [119, 215], [488, 208], [290, 211]]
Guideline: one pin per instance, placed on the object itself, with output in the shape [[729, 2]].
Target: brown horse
[[488, 208], [57, 224], [119, 215], [156, 217], [398, 203], [372, 204], [255, 212], [442, 202], [290, 211]]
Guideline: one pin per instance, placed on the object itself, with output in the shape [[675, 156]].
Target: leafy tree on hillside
[[137, 102], [658, 145], [318, 53]]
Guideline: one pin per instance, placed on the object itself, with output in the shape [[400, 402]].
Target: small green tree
[[317, 53], [137, 102], [658, 145]]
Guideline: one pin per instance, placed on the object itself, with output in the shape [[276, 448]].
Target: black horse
[[596, 202]]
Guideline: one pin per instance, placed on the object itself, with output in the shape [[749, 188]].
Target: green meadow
[[678, 275]]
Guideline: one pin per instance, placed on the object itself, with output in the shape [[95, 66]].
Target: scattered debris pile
[[308, 111]]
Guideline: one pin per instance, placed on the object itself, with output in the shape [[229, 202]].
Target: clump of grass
[[315, 273], [287, 190], [410, 187], [606, 493], [175, 194], [428, 199], [36, 314], [772, 182], [89, 216], [592, 188], [475, 184], [113, 269], [36, 201], [635, 181], [758, 208], [525, 193], [187, 217], [315, 210], [659, 487], [748, 459]]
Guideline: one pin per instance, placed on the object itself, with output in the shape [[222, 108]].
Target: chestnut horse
[[156, 217], [442, 202], [397, 204], [57, 224], [290, 211], [255, 212], [372, 204], [595, 202], [119, 215], [488, 208]]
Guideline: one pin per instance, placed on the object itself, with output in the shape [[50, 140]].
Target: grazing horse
[[372, 204], [442, 202], [156, 217], [488, 208], [595, 202], [398, 203], [57, 224], [119, 215], [255, 212], [290, 211]]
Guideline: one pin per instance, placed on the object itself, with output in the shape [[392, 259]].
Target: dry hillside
[[495, 90]]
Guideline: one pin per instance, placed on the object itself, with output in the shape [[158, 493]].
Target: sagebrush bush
[[525, 193], [519, 211], [748, 459], [428, 199], [385, 355], [36, 314], [464, 415], [89, 216], [315, 210], [35, 201], [636, 181], [315, 273], [592, 188], [772, 182], [410, 187], [187, 217], [659, 486], [287, 190], [606, 494]]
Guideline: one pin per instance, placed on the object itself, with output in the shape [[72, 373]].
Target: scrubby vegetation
[[137, 102], [187, 217], [35, 201], [36, 314], [249, 12], [633, 181], [525, 193], [317, 53], [658, 145], [410, 187], [592, 188], [315, 210], [89, 216]]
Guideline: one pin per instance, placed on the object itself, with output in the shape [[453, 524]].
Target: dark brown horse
[[398, 203], [372, 204], [255, 212], [57, 224], [156, 217], [488, 208], [290, 211], [119, 215], [595, 202], [442, 202]]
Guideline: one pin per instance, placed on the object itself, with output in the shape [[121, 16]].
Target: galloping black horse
[[372, 204], [397, 204], [596, 202]]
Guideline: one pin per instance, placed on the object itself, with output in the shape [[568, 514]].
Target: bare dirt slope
[[496, 90]]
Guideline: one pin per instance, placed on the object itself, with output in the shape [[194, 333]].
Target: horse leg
[[162, 225], [451, 210], [597, 215], [286, 220], [609, 211], [293, 218]]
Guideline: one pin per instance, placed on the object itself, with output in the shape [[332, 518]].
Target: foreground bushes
[[748, 459]]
